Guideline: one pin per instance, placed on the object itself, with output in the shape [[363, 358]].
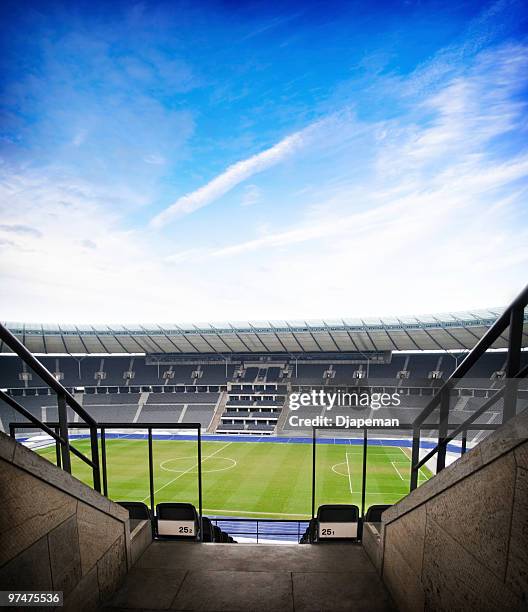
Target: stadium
[[222, 226], [247, 426], [246, 393]]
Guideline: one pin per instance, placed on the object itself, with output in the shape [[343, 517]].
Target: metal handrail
[[471, 419], [64, 398], [33, 420], [512, 317], [50, 425], [476, 352], [17, 347]]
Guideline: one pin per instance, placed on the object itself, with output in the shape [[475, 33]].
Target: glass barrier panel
[[175, 464]]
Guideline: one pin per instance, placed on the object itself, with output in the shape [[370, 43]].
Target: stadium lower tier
[[212, 412]]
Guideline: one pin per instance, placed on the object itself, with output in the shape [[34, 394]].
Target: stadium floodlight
[[435, 375]]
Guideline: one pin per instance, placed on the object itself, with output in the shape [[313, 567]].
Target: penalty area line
[[397, 470], [421, 472], [349, 475]]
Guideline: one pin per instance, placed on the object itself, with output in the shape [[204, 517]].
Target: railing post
[[96, 470], [313, 472], [513, 362], [58, 449], [443, 428], [464, 442], [151, 470], [103, 461], [199, 440], [364, 477], [415, 457], [63, 429]]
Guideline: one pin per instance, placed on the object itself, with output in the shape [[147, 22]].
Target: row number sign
[[337, 530], [176, 528]]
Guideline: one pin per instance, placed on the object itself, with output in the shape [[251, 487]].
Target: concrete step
[[219, 410], [221, 577]]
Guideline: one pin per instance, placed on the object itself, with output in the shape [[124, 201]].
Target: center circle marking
[[167, 467]]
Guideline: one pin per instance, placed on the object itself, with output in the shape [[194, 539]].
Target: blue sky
[[251, 161]]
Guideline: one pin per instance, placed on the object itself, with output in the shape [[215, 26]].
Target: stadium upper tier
[[132, 373], [451, 331]]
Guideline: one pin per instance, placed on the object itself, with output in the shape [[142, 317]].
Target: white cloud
[[230, 178], [422, 212], [251, 195], [155, 158], [80, 137]]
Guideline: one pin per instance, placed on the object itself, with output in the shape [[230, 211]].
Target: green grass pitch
[[250, 479]]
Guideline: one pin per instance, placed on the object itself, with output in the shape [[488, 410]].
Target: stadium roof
[[451, 331]]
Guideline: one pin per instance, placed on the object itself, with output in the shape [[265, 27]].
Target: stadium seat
[[177, 521], [374, 513], [208, 532], [309, 535], [337, 522], [137, 510], [217, 533], [213, 533]]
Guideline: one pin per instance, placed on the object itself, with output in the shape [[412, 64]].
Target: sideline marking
[[186, 471]]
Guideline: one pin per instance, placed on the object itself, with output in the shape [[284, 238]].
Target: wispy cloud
[[24, 230], [230, 178], [401, 182], [271, 25], [155, 158], [419, 210], [251, 195], [432, 187]]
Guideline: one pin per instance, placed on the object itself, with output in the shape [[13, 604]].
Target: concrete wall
[[371, 542], [56, 533], [460, 541]]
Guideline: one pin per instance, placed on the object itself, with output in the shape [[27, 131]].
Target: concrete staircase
[[267, 578], [281, 421], [461, 403], [79, 397], [142, 401], [219, 410]]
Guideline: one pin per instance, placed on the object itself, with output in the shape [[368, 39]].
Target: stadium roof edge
[[448, 331]]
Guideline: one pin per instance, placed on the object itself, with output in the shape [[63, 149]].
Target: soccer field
[[251, 479]]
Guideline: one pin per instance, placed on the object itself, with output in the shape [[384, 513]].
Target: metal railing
[[251, 527], [263, 529], [467, 427], [64, 399], [102, 428], [512, 318]]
